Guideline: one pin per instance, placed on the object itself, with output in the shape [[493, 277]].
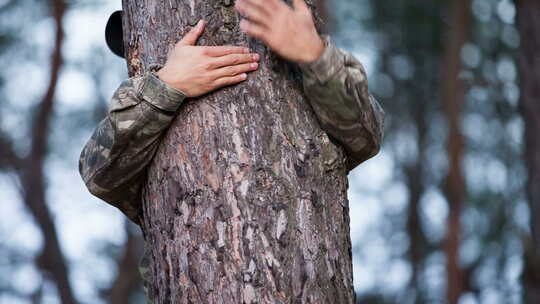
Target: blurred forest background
[[441, 215]]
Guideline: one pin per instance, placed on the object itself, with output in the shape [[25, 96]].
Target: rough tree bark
[[246, 199], [453, 98], [529, 65]]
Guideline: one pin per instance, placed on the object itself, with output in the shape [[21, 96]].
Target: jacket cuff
[[326, 66], [160, 94]]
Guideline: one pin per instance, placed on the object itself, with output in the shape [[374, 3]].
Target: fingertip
[[300, 4], [243, 76], [244, 25], [201, 25]]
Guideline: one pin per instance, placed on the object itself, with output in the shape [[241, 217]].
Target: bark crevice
[[246, 199]]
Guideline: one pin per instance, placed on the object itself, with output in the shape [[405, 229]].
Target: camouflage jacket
[[113, 163]]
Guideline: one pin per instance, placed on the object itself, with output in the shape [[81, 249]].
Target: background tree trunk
[[128, 280], [453, 99], [246, 200], [529, 64], [30, 170]]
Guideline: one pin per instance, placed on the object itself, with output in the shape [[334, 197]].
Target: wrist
[[326, 66], [164, 77], [160, 94], [315, 51]]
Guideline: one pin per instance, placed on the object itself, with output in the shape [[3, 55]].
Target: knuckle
[[207, 66], [259, 34], [229, 71], [246, 67], [238, 70], [209, 87], [208, 80], [222, 51], [205, 51], [219, 83]]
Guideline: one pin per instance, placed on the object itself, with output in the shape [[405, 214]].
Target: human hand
[[197, 70], [290, 32]]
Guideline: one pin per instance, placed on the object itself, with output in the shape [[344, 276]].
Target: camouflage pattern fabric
[[336, 86], [114, 161], [146, 275]]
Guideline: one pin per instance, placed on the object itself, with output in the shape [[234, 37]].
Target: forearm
[[336, 85], [113, 162]]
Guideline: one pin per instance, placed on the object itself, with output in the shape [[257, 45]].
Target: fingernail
[[256, 57], [243, 76], [254, 65]]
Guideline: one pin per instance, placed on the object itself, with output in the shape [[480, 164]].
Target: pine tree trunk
[[453, 99], [529, 64], [246, 199]]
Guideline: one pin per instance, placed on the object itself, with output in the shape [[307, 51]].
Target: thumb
[[300, 5], [193, 35]]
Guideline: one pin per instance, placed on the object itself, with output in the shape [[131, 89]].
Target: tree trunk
[[416, 184], [246, 199], [51, 259], [453, 98], [529, 64]]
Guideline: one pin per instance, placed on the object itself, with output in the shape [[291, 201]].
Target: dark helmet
[[114, 34]]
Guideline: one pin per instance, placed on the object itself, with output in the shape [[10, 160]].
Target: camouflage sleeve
[[113, 162], [336, 85]]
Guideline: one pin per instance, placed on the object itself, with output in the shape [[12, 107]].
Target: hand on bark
[[197, 70], [290, 32]]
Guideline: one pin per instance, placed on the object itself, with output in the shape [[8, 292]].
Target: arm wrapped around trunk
[[114, 161], [336, 85]]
